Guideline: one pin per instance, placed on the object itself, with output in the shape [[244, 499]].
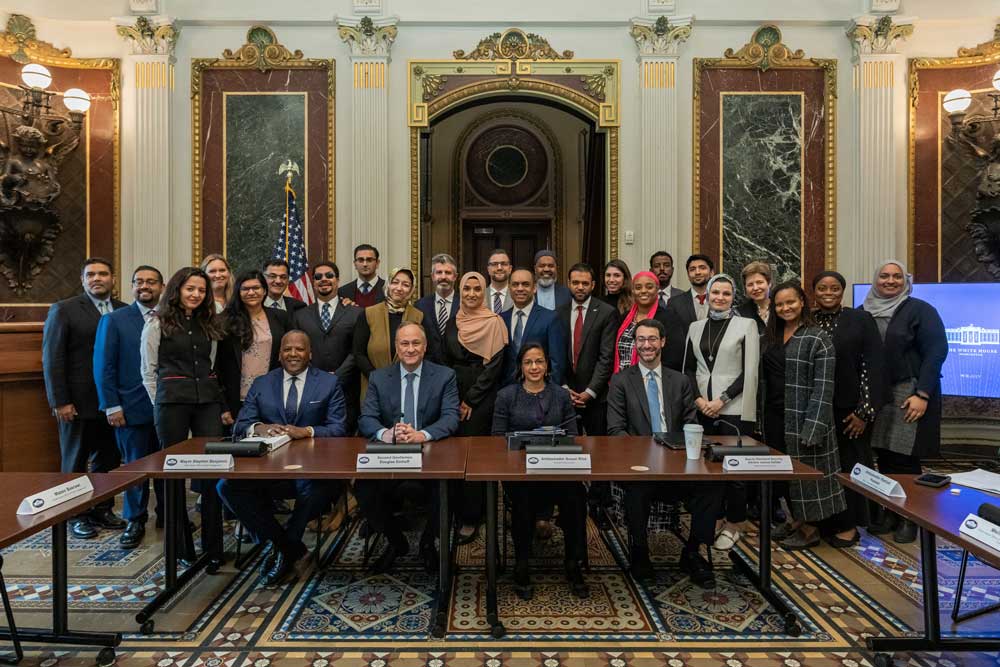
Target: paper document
[[978, 479], [273, 443]]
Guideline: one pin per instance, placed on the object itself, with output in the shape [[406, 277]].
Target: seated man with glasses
[[277, 276]]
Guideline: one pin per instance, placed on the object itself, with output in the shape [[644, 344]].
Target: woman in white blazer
[[721, 360]]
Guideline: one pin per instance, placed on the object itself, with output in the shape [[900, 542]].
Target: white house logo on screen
[[857, 470], [971, 524], [171, 462], [363, 459], [533, 460], [37, 502], [973, 335], [734, 463]]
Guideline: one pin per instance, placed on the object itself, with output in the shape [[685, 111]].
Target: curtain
[[595, 209]]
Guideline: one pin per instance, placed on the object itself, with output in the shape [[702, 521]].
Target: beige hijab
[[480, 331]]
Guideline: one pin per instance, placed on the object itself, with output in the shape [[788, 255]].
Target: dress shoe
[[905, 533], [270, 553], [467, 537], [82, 527], [393, 550], [697, 568], [577, 584], [642, 568], [797, 541], [522, 580], [429, 557], [884, 523], [781, 531], [132, 535], [841, 543], [284, 565], [105, 517]]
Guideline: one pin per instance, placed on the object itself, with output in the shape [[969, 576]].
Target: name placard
[[756, 463], [557, 462], [198, 462], [49, 498], [380, 461], [876, 481], [981, 530]]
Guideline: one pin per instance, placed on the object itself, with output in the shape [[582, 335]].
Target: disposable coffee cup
[[693, 434]]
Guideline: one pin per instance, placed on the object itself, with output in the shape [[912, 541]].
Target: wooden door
[[521, 239]]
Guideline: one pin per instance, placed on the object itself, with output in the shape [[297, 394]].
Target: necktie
[[365, 287], [653, 397], [577, 335], [409, 409], [442, 315], [102, 308], [292, 402], [664, 297], [325, 317], [701, 299], [497, 303], [519, 330]]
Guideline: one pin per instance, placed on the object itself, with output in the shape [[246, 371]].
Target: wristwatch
[[724, 397]]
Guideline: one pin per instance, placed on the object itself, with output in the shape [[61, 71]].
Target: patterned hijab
[[480, 331], [720, 314], [388, 299]]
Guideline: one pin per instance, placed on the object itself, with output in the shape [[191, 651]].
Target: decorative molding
[[21, 43], [150, 36], [989, 48], [513, 44], [871, 35], [430, 84], [596, 84], [367, 37], [661, 37], [262, 51]]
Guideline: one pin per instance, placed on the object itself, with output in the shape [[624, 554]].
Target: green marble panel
[[262, 131], [762, 182]]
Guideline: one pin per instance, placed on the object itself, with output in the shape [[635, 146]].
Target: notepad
[[273, 443], [978, 479]]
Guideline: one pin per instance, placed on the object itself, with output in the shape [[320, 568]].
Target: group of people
[[210, 354]]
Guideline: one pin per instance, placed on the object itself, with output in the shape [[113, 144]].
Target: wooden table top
[[614, 458], [19, 485], [936, 510], [309, 458]]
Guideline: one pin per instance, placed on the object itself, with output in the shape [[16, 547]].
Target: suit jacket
[[542, 326], [350, 290], [321, 406], [628, 411], [739, 354], [291, 304], [229, 356], [427, 304], [68, 354], [437, 401], [331, 350], [673, 292], [117, 371], [683, 308], [597, 352]]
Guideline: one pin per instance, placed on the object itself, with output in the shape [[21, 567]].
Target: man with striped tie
[[441, 305], [498, 267]]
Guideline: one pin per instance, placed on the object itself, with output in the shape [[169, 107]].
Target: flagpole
[[288, 192]]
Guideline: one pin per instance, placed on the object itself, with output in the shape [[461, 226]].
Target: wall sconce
[[38, 101], [957, 102]]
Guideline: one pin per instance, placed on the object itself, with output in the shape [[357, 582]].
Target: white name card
[[756, 463], [981, 530], [876, 481], [557, 462], [390, 461], [57, 494], [198, 462]]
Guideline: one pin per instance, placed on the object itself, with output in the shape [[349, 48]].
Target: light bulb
[[76, 100], [957, 101], [996, 80], [36, 76]]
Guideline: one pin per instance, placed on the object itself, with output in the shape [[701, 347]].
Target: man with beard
[[329, 323], [367, 289], [549, 294], [123, 398], [442, 305], [498, 267], [661, 265], [527, 321], [693, 304]]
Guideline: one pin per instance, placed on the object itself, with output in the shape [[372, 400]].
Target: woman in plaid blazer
[[797, 373]]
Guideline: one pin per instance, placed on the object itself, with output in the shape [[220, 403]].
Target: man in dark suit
[[441, 305], [528, 321], [644, 399], [368, 289], [123, 398], [413, 400], [85, 438], [329, 323], [300, 402], [661, 265], [693, 304], [277, 276], [550, 294]]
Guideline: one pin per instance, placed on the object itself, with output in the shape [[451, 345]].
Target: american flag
[[291, 247]]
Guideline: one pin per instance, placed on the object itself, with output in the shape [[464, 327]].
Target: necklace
[[712, 340]]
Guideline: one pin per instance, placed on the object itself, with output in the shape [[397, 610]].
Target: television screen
[[971, 315]]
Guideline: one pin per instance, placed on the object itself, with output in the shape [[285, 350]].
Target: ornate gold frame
[[985, 53], [514, 62], [20, 42], [261, 52], [765, 51]]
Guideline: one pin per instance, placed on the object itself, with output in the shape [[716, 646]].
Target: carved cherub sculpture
[[984, 226], [29, 174]]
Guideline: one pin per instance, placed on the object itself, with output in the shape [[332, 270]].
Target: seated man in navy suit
[[301, 402], [412, 400], [528, 321]]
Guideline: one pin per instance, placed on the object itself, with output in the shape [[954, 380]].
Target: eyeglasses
[[329, 275], [139, 282], [276, 276], [251, 288]]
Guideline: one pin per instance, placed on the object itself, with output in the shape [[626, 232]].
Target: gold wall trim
[[659, 74], [369, 74]]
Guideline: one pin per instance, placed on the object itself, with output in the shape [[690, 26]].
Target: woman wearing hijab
[[858, 392], [721, 356], [914, 347], [645, 304]]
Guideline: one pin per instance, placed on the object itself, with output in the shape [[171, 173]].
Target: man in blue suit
[[528, 321], [440, 306], [122, 397], [412, 400], [301, 402]]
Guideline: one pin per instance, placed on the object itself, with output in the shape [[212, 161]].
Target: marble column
[[658, 229], [370, 41], [147, 83], [877, 227]]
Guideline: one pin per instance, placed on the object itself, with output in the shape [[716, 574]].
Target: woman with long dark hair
[[618, 285]]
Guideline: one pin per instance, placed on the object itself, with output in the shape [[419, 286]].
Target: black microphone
[[990, 512], [401, 417], [739, 436]]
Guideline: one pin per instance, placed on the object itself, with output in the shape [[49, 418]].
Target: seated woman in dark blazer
[[531, 403]]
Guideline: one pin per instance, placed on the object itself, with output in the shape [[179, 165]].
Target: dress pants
[[88, 445], [379, 501], [135, 442], [703, 501], [251, 501], [527, 499]]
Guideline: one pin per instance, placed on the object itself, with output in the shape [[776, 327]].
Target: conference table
[[624, 459], [936, 511], [309, 458], [15, 527]]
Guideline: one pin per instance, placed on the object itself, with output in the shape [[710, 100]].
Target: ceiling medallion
[[513, 44]]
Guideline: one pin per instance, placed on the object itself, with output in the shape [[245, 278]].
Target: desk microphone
[[990, 512], [376, 447], [719, 452], [739, 436], [401, 417]]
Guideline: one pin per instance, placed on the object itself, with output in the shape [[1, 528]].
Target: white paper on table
[[978, 479]]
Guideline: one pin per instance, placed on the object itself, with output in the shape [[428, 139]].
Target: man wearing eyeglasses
[[368, 289], [276, 274], [499, 268]]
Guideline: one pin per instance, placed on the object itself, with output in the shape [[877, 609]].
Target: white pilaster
[[658, 42], [147, 82], [370, 42]]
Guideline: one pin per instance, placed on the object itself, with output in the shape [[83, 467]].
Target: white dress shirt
[[700, 310], [334, 300], [513, 318], [278, 303], [658, 374], [417, 372], [448, 300]]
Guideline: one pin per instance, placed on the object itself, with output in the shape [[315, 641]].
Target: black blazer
[[350, 290], [291, 305], [597, 353], [331, 350], [229, 357], [748, 309], [516, 409], [682, 307], [856, 340], [68, 354], [628, 411]]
